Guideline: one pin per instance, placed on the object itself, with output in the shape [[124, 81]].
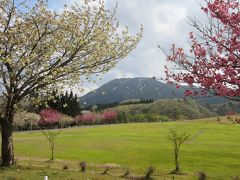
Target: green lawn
[[214, 148]]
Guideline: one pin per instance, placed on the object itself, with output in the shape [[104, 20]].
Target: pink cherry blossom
[[49, 117], [213, 62]]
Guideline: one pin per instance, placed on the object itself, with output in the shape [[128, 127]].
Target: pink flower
[[49, 117], [213, 63], [86, 118], [109, 116]]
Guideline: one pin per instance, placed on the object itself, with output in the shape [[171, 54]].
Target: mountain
[[122, 89]]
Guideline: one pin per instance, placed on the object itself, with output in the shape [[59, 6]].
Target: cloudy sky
[[164, 22]]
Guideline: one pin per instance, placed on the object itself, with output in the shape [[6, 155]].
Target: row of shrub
[[141, 118], [51, 118]]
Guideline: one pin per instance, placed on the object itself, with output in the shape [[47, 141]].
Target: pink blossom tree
[[213, 62], [109, 116], [86, 118], [49, 117], [77, 119]]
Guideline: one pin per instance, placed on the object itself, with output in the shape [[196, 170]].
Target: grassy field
[[213, 148]]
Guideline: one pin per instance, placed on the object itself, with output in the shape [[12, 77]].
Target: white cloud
[[164, 23]]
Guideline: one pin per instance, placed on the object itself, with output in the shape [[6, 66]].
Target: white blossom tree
[[41, 49]]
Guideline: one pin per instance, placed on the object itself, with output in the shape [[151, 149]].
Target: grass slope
[[214, 148], [173, 108]]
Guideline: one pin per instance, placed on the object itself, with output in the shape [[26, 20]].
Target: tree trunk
[[52, 158], [177, 169], [7, 131], [7, 144]]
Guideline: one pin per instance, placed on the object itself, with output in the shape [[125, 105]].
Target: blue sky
[[164, 23]]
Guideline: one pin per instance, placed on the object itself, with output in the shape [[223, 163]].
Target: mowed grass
[[213, 148]]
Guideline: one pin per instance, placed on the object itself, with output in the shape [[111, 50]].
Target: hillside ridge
[[122, 89]]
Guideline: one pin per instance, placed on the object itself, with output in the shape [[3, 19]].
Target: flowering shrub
[[109, 116], [65, 121], [49, 117], [25, 120], [18, 121], [230, 113], [87, 118], [77, 119]]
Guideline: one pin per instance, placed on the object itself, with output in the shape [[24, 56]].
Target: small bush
[[149, 172], [83, 166], [126, 173], [236, 178], [202, 176], [106, 171], [65, 167]]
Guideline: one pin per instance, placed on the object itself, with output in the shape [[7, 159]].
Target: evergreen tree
[[66, 103]]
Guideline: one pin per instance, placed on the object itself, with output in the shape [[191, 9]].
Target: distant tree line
[[142, 101], [100, 107]]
